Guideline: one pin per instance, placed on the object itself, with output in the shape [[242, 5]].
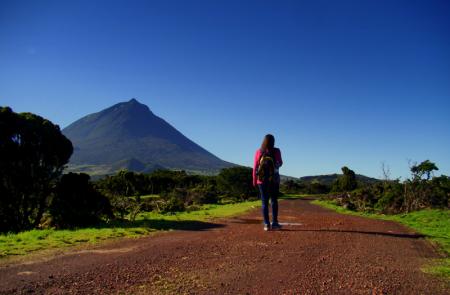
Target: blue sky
[[337, 82]]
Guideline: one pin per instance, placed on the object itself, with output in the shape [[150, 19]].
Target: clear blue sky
[[337, 82]]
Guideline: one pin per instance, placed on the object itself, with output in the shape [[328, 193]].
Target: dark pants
[[269, 191]]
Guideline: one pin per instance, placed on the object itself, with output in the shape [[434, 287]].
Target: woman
[[267, 178]]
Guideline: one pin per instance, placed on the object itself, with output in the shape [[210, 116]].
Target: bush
[[237, 183], [125, 183], [346, 182], [304, 187], [202, 195], [364, 199], [76, 203], [440, 195], [389, 196], [173, 202], [122, 206]]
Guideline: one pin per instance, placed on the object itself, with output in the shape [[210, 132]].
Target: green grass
[[146, 223], [207, 212], [433, 223], [293, 196]]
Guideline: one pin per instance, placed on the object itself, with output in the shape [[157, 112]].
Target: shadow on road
[[389, 234], [246, 221], [161, 224], [397, 235]]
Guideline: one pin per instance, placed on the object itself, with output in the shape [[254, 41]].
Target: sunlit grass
[[35, 240], [207, 212]]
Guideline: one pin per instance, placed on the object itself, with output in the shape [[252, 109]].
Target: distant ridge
[[328, 179], [129, 136]]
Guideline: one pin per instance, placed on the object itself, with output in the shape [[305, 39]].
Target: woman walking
[[267, 177]]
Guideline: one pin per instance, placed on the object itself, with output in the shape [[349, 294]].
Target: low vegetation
[[146, 223], [421, 203], [40, 207], [386, 196]]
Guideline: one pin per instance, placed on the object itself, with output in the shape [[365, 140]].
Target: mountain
[[328, 179], [129, 136]]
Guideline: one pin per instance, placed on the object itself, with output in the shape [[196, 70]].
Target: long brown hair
[[268, 143]]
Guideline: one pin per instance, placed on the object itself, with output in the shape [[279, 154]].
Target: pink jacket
[[278, 163]]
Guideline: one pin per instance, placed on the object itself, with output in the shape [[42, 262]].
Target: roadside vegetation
[[145, 223], [41, 207], [421, 203]]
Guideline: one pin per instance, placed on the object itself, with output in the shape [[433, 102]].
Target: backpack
[[266, 168]]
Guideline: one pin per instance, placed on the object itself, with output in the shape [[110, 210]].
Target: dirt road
[[317, 252]]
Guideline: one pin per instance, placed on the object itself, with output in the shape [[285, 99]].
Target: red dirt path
[[318, 252]]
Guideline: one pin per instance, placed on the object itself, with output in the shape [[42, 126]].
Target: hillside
[[129, 136], [328, 179]]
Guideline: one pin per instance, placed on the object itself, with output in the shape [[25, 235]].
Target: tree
[[76, 202], [33, 152], [347, 181], [425, 168]]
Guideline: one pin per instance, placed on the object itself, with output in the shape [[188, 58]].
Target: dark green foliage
[[33, 152], [292, 187], [122, 206], [322, 184], [125, 183], [173, 201], [304, 187], [393, 196], [330, 179], [440, 195], [364, 199], [346, 182], [390, 196], [236, 182], [120, 189], [76, 203], [125, 188], [163, 181], [318, 188], [206, 194], [425, 168]]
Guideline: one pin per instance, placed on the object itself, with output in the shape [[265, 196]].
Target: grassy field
[[433, 223], [146, 223]]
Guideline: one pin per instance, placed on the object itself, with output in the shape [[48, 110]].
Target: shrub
[[346, 182], [173, 202], [76, 203], [304, 187], [392, 196], [236, 182], [440, 195], [202, 195]]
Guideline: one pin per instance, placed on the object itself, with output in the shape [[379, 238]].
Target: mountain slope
[[128, 135], [328, 179]]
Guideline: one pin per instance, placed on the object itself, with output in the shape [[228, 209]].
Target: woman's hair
[[268, 143]]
